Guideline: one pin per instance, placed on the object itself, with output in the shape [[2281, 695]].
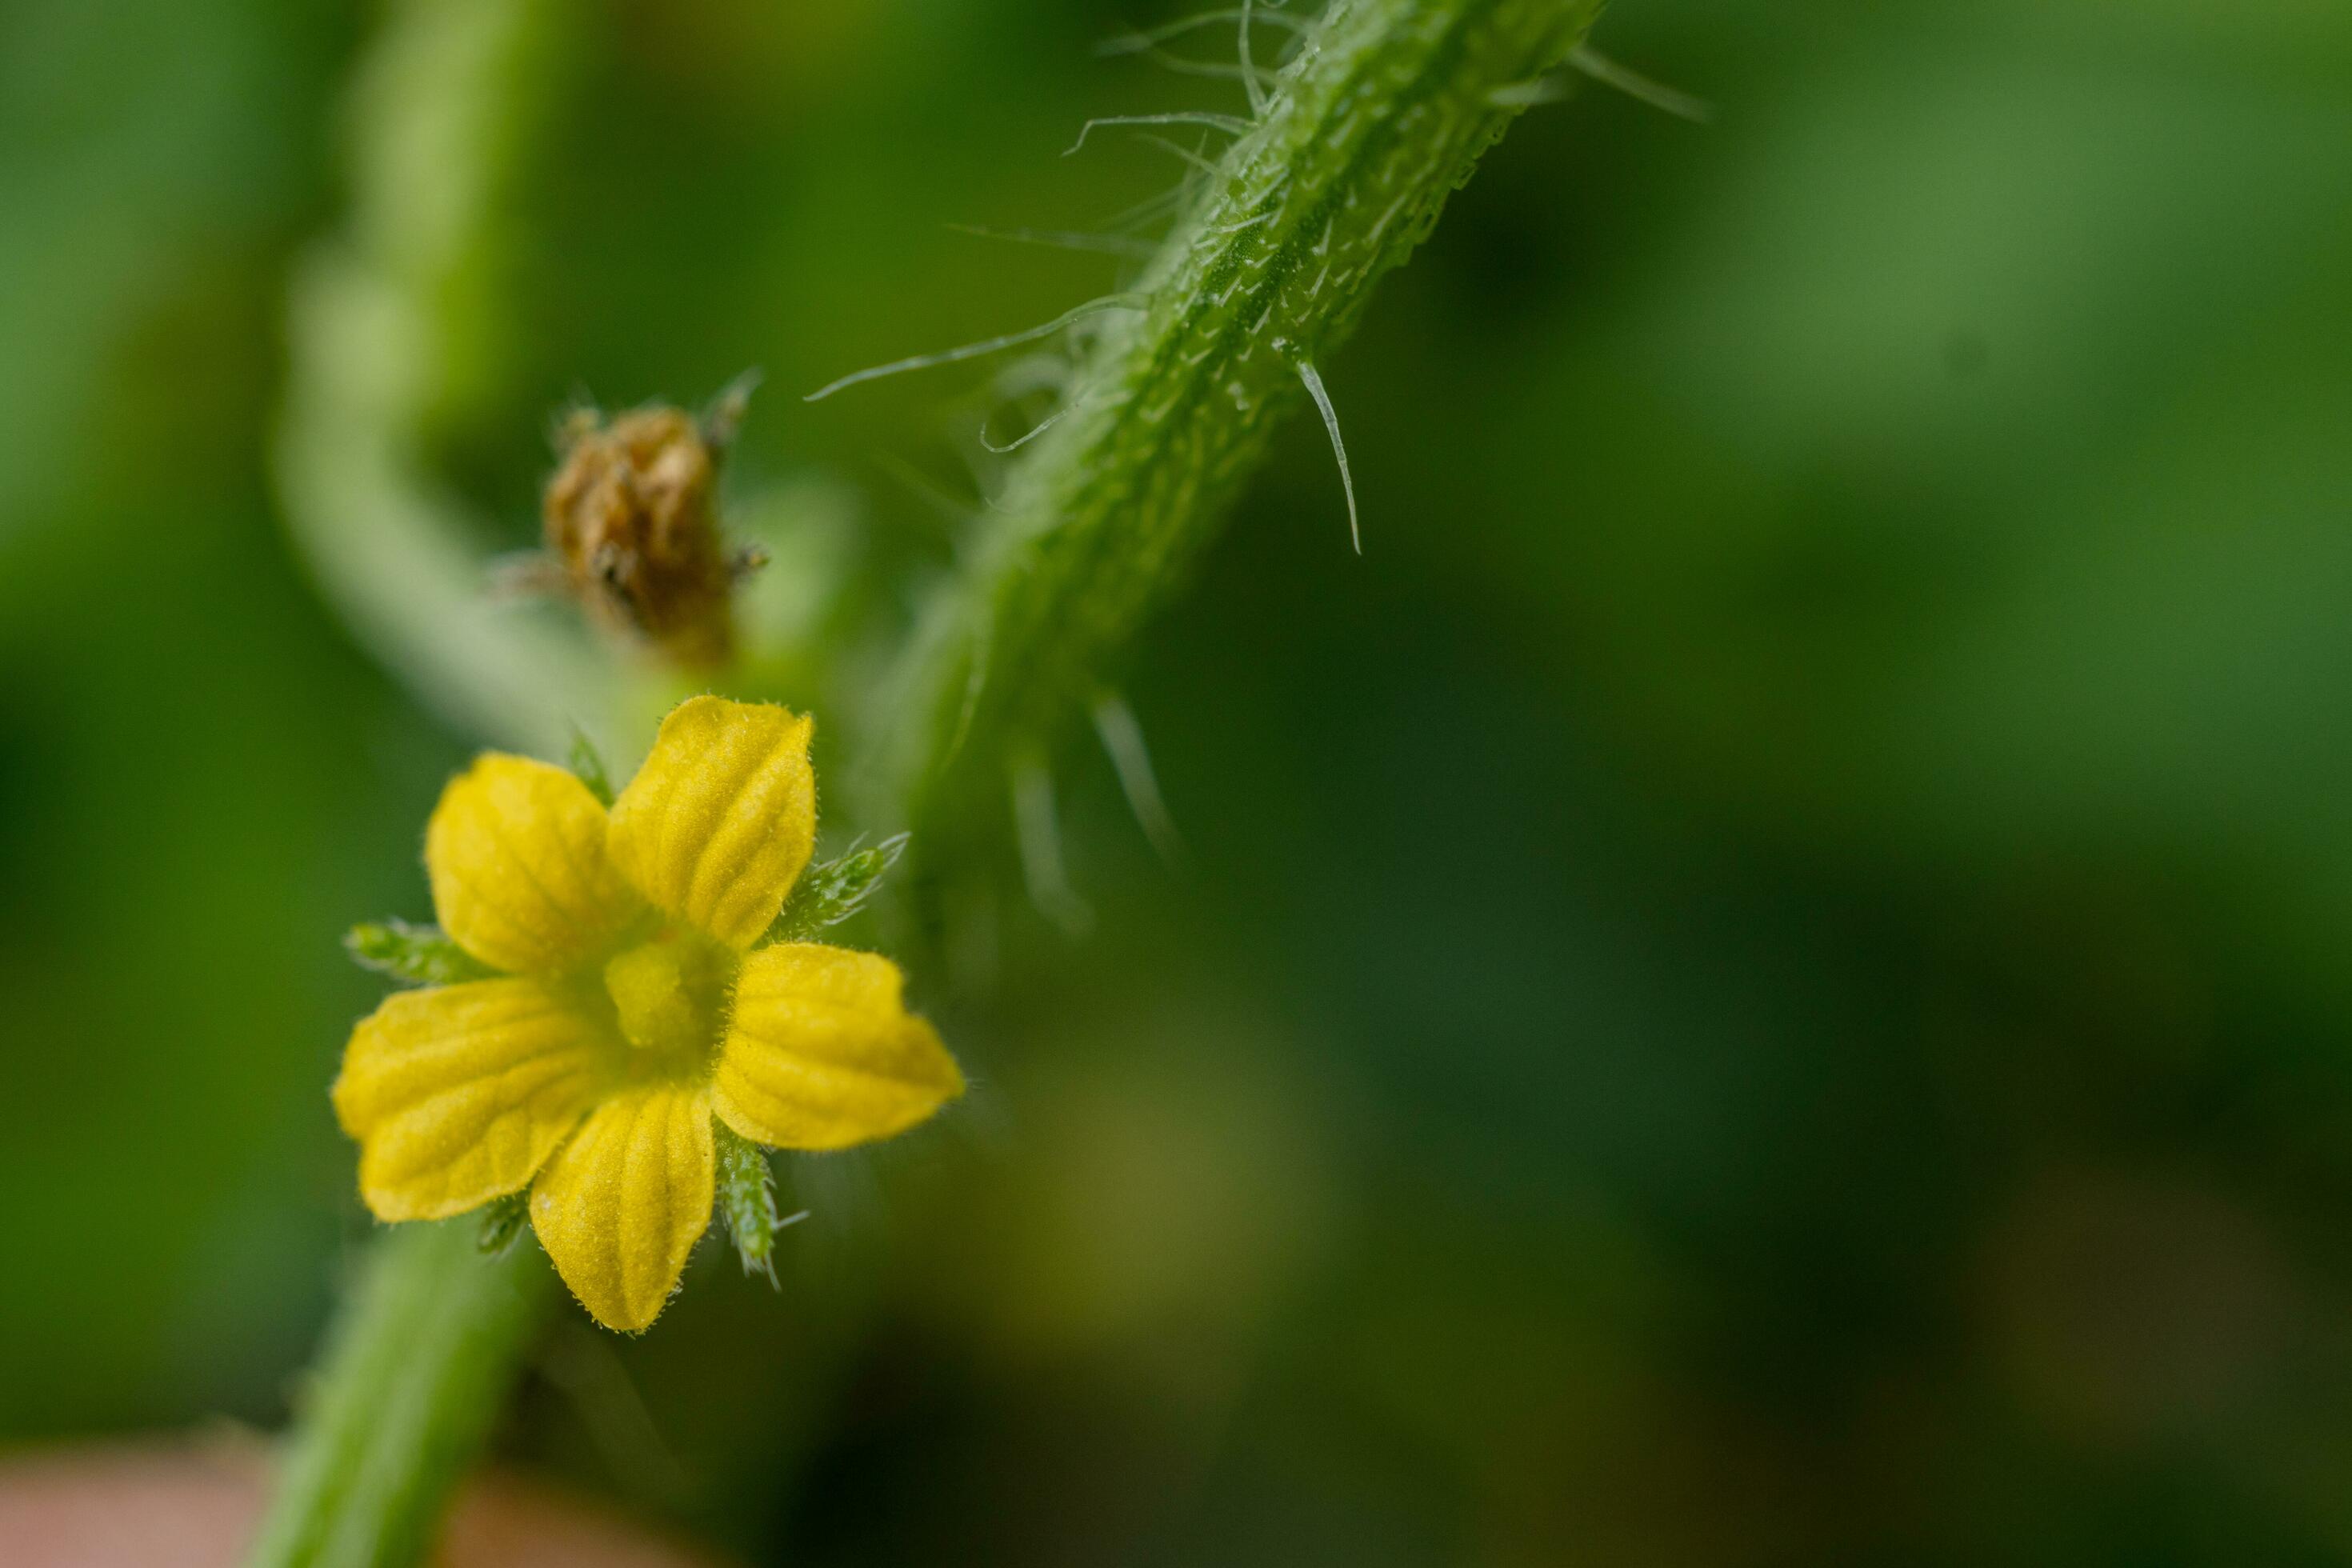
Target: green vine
[[1381, 115], [422, 1355], [393, 326]]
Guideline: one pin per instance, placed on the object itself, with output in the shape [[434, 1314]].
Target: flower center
[[670, 994]]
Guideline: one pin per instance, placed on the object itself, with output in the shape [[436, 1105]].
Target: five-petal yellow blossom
[[633, 1005]]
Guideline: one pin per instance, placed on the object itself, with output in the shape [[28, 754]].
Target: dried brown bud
[[631, 518]]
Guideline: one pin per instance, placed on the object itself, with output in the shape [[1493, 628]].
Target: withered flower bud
[[632, 523]]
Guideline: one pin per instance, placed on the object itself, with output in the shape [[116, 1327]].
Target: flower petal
[[721, 818], [821, 1053], [621, 1206], [457, 1095], [516, 854]]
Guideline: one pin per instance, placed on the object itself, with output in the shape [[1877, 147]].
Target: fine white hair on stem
[[1032, 372], [1169, 144], [1146, 39], [723, 417], [983, 655], [1222, 69], [1250, 84], [1315, 390], [1232, 123], [1122, 741], [956, 513], [1030, 434], [1062, 239], [1634, 85], [1167, 201], [951, 517], [1040, 835], [1530, 94], [985, 346]]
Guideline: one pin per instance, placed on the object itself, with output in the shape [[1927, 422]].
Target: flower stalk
[[422, 1357]]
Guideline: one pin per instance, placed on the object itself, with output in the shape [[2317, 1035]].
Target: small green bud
[[829, 894], [588, 767], [419, 956], [503, 1220], [747, 1196]]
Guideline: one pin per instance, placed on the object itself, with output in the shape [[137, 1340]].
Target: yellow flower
[[633, 1005]]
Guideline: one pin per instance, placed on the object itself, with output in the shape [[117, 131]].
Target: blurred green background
[[1767, 979]]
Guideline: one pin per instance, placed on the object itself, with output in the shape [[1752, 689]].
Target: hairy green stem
[[1380, 117], [422, 1357]]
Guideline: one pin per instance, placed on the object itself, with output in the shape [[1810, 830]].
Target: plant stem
[[1382, 115], [395, 325], [421, 1358]]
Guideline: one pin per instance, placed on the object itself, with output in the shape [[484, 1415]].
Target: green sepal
[[829, 894], [588, 767], [747, 1197], [419, 956], [503, 1220]]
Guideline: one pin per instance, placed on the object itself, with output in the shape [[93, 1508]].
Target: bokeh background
[[1765, 979]]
